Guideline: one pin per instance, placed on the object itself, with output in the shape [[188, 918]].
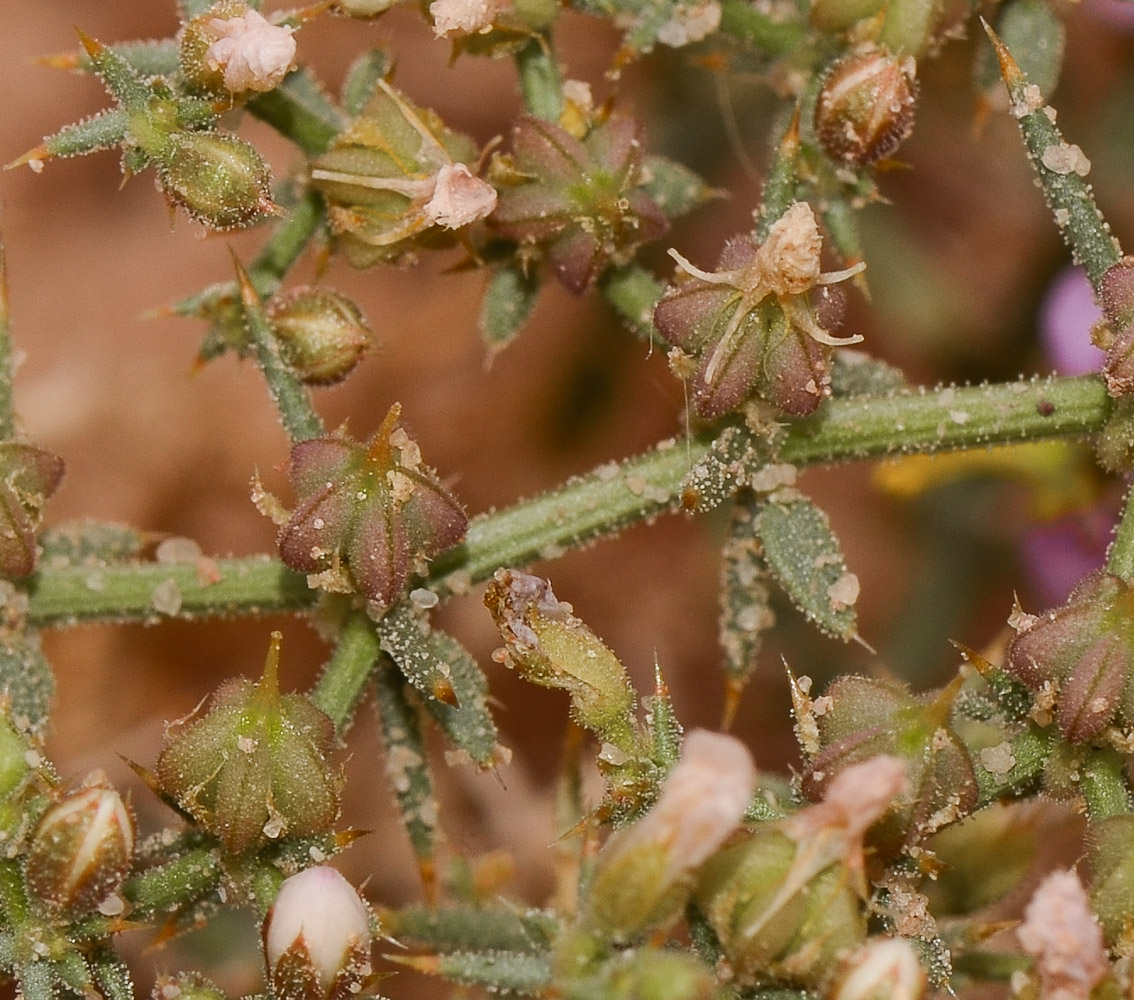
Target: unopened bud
[[642, 874], [255, 767], [317, 937], [251, 52], [865, 107], [219, 179], [323, 334], [82, 847], [882, 969]]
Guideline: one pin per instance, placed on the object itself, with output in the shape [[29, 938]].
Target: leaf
[[26, 678], [804, 556], [362, 79], [675, 188], [507, 304], [407, 768], [457, 927], [745, 597], [300, 108], [449, 683], [735, 459]]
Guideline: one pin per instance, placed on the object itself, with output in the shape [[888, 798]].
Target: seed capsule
[[219, 179], [866, 106], [322, 332]]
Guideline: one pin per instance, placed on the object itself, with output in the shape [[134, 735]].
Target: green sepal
[[804, 556]]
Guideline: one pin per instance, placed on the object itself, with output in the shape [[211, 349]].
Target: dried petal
[[252, 53]]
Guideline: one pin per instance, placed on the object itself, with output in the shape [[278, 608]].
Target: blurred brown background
[[957, 265]]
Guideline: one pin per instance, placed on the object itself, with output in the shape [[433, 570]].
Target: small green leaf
[[362, 79], [804, 556], [745, 593], [676, 188], [1031, 29], [300, 109], [112, 975], [633, 292], [464, 927], [90, 543], [506, 306], [26, 678], [854, 373], [499, 971], [407, 766], [100, 131], [469, 724]]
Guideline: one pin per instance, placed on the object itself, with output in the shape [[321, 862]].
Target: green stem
[[296, 413], [1120, 555], [7, 416], [178, 881], [540, 81], [66, 595], [346, 673], [603, 502], [1103, 784]]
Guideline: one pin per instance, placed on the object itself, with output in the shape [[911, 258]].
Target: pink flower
[[464, 17], [253, 53]]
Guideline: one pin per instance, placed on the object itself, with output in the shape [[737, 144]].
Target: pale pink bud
[[464, 17], [1061, 933], [317, 937], [459, 197], [253, 53], [856, 797], [702, 801], [882, 969]]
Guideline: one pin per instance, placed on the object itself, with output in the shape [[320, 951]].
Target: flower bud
[[550, 646], [219, 179], [775, 919], [323, 334], [317, 937], [642, 877], [255, 766], [882, 969], [865, 107], [82, 847], [1079, 656]]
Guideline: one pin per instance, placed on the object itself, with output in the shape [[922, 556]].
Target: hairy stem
[[604, 502]]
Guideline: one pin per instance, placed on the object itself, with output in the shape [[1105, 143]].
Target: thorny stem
[[601, 503]]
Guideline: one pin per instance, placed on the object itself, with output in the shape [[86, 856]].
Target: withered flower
[[751, 323]]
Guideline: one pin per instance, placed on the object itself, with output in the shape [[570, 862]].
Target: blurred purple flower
[[1067, 313], [1058, 554]]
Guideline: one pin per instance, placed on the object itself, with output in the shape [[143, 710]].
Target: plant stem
[[602, 503], [1104, 786], [61, 596], [1120, 555], [347, 671]]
